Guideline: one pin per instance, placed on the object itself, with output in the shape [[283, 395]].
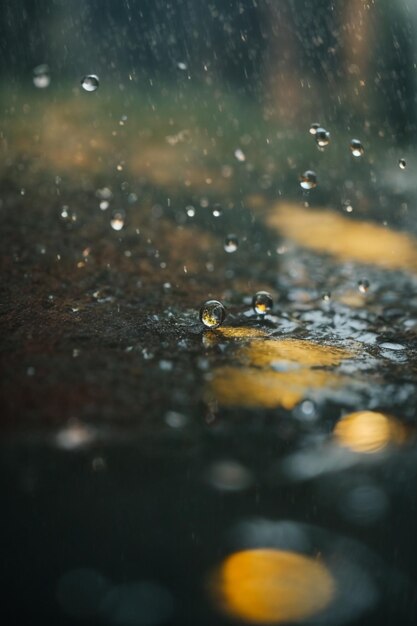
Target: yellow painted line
[[345, 238]]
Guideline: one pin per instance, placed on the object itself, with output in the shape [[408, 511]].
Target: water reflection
[[267, 586], [276, 372], [368, 432]]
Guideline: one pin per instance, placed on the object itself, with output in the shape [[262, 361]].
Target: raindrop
[[402, 164], [313, 128], [356, 148], [240, 155], [41, 77], [190, 210], [90, 82], [326, 297], [182, 66], [363, 285], [322, 137], [231, 243], [212, 314], [262, 302], [217, 210], [175, 419], [104, 205], [229, 475], [105, 193], [308, 180], [117, 221]]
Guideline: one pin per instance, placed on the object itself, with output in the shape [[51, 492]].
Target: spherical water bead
[[117, 221], [262, 302], [90, 82], [363, 285], [327, 296], [313, 128], [231, 243], [308, 180], [41, 77], [322, 137], [356, 148], [217, 210], [402, 164], [212, 314]]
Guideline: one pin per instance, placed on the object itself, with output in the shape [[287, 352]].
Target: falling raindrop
[[190, 210], [313, 128], [90, 82], [182, 66], [117, 221], [402, 164], [308, 180], [240, 155], [363, 285], [262, 302], [231, 243], [217, 210], [212, 314], [356, 148], [322, 137], [41, 77]]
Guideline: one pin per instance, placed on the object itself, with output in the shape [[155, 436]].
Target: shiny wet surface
[[154, 471]]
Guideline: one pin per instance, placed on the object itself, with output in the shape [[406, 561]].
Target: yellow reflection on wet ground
[[369, 432], [239, 332], [301, 352], [252, 388], [268, 586], [330, 233], [290, 369]]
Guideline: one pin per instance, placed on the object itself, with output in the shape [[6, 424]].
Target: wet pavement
[[154, 471]]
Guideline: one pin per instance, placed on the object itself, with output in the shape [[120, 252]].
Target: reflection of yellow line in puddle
[[368, 432], [268, 586], [240, 332], [344, 238], [302, 352], [251, 387]]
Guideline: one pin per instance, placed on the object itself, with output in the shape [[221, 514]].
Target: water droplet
[[322, 137], [104, 205], [326, 297], [363, 285], [190, 210], [165, 366], [90, 82], [67, 215], [356, 148], [262, 302], [402, 163], [117, 221], [217, 210], [104, 193], [212, 314], [175, 420], [314, 127], [182, 66], [306, 411], [308, 180], [229, 475], [240, 155], [41, 77], [231, 243]]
